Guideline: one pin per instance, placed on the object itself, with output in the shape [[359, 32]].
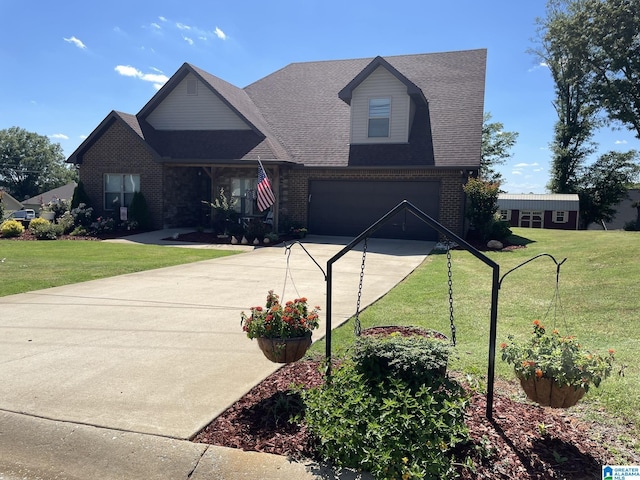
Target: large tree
[[496, 146], [563, 52], [30, 164], [604, 184], [611, 28]]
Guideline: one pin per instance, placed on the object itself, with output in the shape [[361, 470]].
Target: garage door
[[348, 207]]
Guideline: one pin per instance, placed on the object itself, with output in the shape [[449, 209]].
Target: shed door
[[348, 207]]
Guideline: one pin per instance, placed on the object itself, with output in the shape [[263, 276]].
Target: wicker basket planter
[[284, 350], [547, 393]]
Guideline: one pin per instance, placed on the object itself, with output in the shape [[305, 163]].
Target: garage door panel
[[349, 207]]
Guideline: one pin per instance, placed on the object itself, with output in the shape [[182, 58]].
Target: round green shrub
[[11, 228], [389, 429], [38, 223], [44, 230]]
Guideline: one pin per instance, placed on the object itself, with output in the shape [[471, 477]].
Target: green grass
[[599, 303], [27, 266]]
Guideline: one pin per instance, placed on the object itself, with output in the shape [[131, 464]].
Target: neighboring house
[[9, 203], [342, 141], [559, 211], [625, 213], [61, 193]]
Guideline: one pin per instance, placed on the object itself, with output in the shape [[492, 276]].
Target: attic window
[[379, 117], [192, 86]]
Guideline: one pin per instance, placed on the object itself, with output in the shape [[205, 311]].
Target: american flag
[[266, 198]]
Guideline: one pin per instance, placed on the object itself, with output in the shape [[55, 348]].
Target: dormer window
[[379, 117]]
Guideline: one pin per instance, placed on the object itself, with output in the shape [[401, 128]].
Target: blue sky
[[65, 65]]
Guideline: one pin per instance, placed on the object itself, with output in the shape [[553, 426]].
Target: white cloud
[[83, 137], [158, 79], [59, 136], [524, 165], [516, 172], [188, 40], [128, 71], [162, 19], [220, 34], [620, 142], [182, 26], [75, 41], [156, 26]]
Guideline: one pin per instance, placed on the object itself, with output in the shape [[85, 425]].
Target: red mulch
[[524, 441]]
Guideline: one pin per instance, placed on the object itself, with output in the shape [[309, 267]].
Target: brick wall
[[118, 150]]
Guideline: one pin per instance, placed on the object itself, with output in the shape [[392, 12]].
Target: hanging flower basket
[[284, 350], [283, 331], [547, 393], [553, 370]]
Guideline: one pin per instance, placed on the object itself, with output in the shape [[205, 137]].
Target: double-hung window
[[119, 189], [379, 117], [244, 192]]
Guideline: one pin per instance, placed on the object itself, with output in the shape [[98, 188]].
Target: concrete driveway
[[162, 352]]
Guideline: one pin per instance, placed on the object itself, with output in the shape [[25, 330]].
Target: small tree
[[483, 205], [139, 211], [79, 196]]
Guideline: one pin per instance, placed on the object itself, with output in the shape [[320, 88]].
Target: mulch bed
[[523, 441]]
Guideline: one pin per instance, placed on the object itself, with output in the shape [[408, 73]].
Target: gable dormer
[[383, 104]]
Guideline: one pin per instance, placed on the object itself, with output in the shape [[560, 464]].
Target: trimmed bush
[[139, 211], [389, 429], [11, 228], [79, 197], [44, 230], [415, 359]]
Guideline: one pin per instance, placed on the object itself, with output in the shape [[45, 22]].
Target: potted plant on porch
[[554, 370], [283, 331]]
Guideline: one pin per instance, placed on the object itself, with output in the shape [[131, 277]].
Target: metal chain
[[357, 329], [453, 327]]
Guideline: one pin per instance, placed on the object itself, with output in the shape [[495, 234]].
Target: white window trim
[[121, 193], [565, 216], [507, 215], [369, 117]]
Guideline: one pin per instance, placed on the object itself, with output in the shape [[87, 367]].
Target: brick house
[[342, 141]]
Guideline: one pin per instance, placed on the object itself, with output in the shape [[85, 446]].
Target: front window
[[379, 117], [119, 189], [504, 215], [244, 192]]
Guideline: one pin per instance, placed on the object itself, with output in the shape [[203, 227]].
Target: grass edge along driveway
[[34, 265]]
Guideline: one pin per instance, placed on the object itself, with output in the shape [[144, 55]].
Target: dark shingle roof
[[302, 105], [299, 113]]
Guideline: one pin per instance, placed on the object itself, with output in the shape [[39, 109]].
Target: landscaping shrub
[[66, 222], [139, 211], [44, 229], [11, 228], [82, 215], [391, 428], [79, 196], [415, 359]]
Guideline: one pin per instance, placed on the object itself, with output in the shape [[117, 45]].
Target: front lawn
[[599, 303], [33, 265]]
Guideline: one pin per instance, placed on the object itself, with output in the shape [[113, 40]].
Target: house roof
[[9, 203], [65, 192], [302, 105], [531, 201], [298, 114]]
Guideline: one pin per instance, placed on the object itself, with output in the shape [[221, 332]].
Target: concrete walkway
[[108, 378]]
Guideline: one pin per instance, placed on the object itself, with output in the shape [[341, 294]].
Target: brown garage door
[[348, 207]]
